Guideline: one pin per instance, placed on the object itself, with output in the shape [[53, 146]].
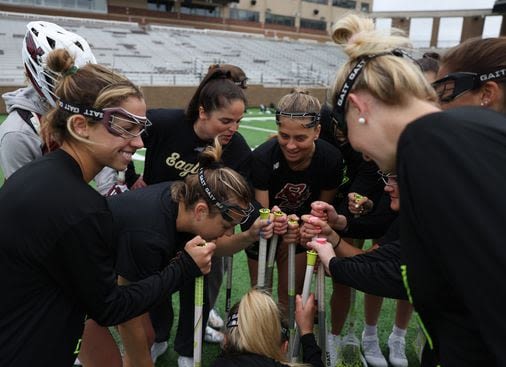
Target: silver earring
[[361, 120]]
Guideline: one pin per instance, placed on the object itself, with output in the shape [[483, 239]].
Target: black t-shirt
[[311, 355], [452, 179], [294, 191], [360, 176], [57, 263], [172, 148], [147, 239]]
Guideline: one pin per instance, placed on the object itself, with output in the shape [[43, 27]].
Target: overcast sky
[[449, 29]]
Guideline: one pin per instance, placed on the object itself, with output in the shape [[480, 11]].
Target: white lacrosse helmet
[[40, 39]]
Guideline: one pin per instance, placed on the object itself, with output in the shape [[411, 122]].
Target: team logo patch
[[292, 196]]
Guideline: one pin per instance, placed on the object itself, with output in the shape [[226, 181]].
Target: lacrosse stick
[[197, 319], [228, 296], [262, 252], [272, 253], [320, 290], [291, 286], [308, 277]]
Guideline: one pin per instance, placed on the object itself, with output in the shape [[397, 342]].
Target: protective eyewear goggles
[[313, 122], [456, 84], [387, 178], [230, 212], [339, 111], [117, 120]]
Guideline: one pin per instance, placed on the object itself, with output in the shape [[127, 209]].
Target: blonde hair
[[299, 100], [391, 79], [225, 183], [258, 327], [92, 85]]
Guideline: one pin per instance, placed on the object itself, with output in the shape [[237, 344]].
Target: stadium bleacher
[[161, 55]]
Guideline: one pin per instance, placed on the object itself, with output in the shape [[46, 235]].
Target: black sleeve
[[261, 165], [89, 265], [376, 272], [311, 352], [130, 175], [237, 155]]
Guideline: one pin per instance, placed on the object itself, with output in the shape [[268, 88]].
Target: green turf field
[[256, 127]]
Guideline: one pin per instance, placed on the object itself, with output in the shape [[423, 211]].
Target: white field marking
[[261, 118], [258, 129]]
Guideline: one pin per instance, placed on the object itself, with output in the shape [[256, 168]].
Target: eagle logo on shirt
[[292, 196]]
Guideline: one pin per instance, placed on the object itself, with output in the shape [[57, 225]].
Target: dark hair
[[224, 182], [476, 55], [216, 91], [237, 75], [429, 62]]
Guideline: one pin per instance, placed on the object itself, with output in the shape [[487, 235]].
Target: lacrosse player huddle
[[304, 201]]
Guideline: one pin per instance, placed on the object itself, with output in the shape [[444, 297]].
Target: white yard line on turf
[[258, 129]]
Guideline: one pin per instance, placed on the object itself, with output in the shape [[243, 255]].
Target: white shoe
[[157, 349], [214, 320], [349, 353], [77, 362], [372, 351], [213, 336], [333, 345], [397, 355], [184, 361]]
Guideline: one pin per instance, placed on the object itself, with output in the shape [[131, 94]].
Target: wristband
[[338, 242]]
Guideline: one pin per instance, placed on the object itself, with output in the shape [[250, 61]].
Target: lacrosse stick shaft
[[228, 296], [291, 294], [270, 260], [197, 320], [311, 261], [262, 253]]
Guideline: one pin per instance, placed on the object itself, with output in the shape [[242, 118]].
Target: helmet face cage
[[40, 39]]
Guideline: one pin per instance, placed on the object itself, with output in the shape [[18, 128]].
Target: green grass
[[256, 128]]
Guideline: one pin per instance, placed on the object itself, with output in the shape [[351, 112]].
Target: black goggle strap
[[80, 110], [315, 117], [497, 74]]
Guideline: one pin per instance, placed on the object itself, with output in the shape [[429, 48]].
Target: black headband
[[207, 190], [81, 110]]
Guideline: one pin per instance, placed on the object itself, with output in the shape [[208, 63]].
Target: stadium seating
[[161, 55]]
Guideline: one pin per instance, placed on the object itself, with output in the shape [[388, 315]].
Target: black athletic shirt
[[311, 355], [360, 176], [452, 177], [294, 191], [147, 239], [172, 148], [57, 265]]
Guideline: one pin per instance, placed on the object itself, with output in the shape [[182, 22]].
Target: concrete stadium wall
[[179, 96]]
